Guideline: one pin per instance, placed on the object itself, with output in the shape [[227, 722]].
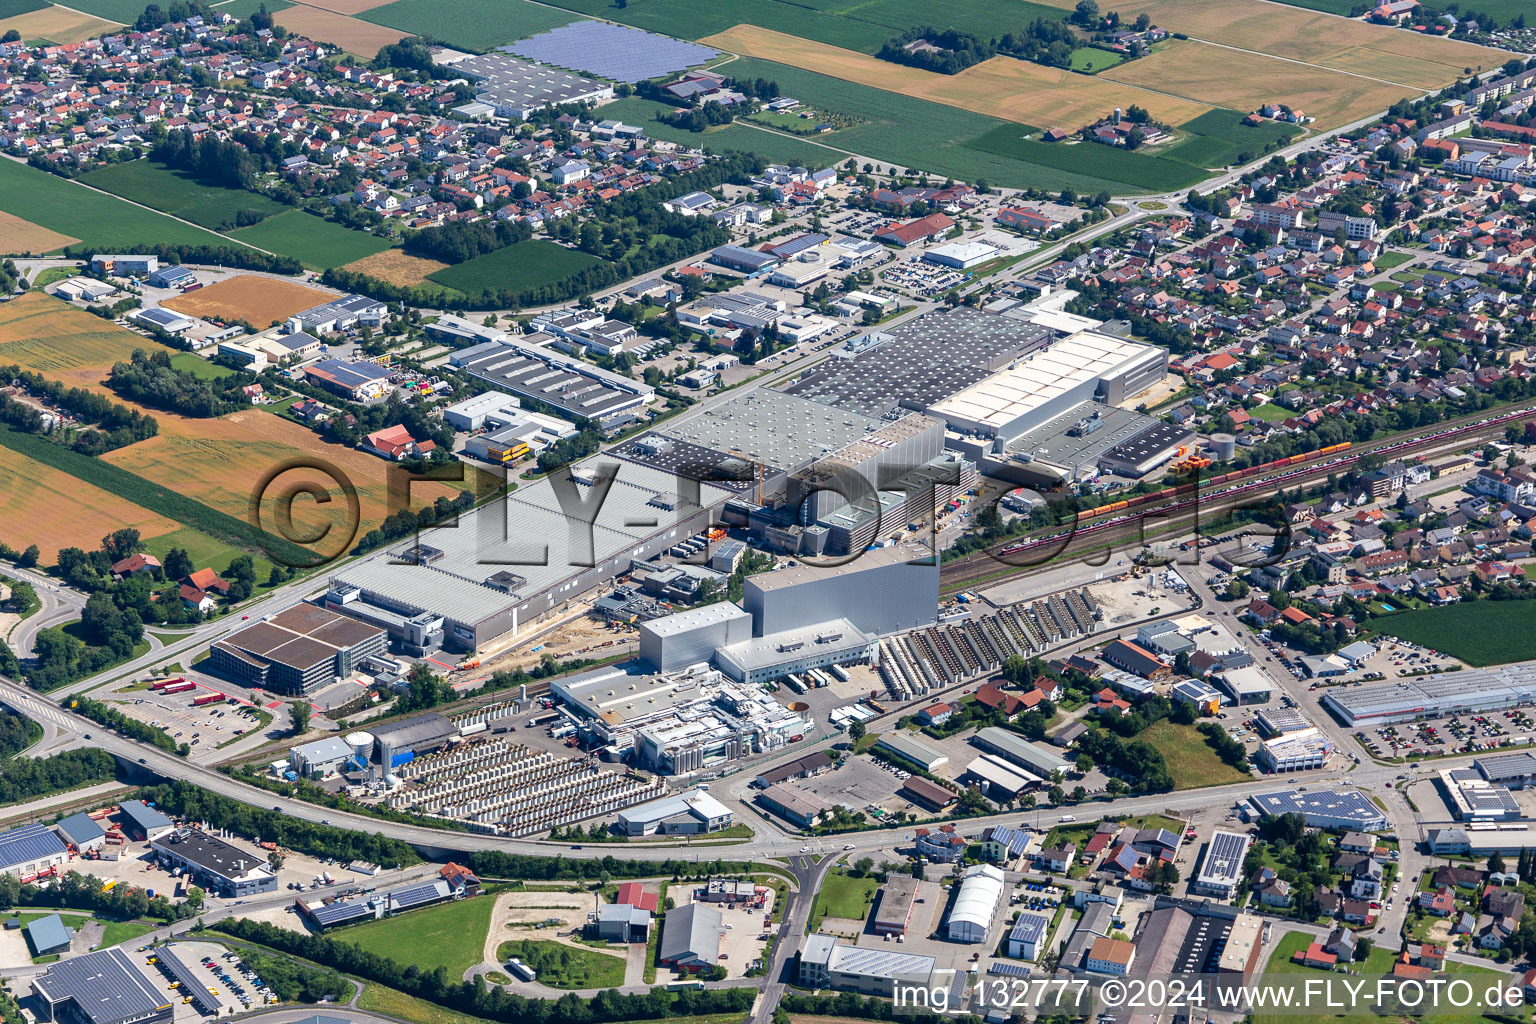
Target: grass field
[[561, 965], [842, 895], [467, 24], [1477, 632], [1241, 80], [200, 367], [179, 194], [53, 24], [1191, 761], [259, 301], [1002, 87], [55, 510], [93, 217], [770, 145], [1388, 260], [523, 264], [1219, 137], [246, 8], [357, 37], [451, 935], [1142, 171], [397, 267], [314, 241], [394, 1003], [19, 236], [204, 550], [1090, 60]]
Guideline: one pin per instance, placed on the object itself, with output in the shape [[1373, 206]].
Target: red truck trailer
[[181, 687], [207, 698], [160, 684]]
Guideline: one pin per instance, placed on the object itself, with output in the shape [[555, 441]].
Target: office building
[[1026, 936], [693, 812], [31, 851], [220, 867], [297, 651], [1221, 871], [826, 963]]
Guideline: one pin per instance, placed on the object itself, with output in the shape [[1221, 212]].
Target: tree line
[[949, 51], [233, 256], [118, 425], [74, 891], [405, 522], [149, 379], [109, 716], [24, 778], [491, 1003]]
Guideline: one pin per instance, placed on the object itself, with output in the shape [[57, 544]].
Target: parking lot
[[1452, 734], [862, 785], [746, 934], [215, 725]]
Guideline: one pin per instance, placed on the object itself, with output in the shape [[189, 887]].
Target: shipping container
[[161, 684], [208, 698], [181, 687]]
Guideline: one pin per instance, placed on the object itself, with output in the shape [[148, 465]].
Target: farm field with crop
[[467, 24], [11, 8], [1246, 81], [1220, 137], [1002, 87], [56, 510], [59, 25], [48, 336], [527, 264], [694, 19], [397, 267], [1476, 632], [259, 301], [1256, 26], [179, 194], [314, 241], [94, 217], [1142, 171], [358, 37], [23, 236]]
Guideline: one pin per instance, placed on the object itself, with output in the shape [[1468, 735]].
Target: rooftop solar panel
[[105, 987], [1008, 970], [333, 914], [612, 51], [417, 895], [29, 843]]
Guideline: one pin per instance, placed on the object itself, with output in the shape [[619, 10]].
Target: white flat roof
[[1044, 376]]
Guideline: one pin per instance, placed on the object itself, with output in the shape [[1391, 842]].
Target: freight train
[[1335, 458]]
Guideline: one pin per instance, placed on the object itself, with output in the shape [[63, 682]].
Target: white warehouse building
[[981, 890]]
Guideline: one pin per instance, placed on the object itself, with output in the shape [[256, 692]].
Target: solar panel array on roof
[[331, 915], [418, 895], [105, 987], [29, 843], [612, 51], [1008, 969]]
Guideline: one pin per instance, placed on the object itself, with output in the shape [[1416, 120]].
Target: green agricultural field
[[695, 19], [984, 18], [1477, 632], [1090, 60], [246, 8], [1090, 159], [93, 217], [196, 365], [522, 264], [469, 24], [314, 241], [11, 8], [1222, 138], [916, 133], [181, 195], [451, 935], [771, 146]]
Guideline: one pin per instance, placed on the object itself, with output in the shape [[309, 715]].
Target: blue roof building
[[48, 935], [30, 851]]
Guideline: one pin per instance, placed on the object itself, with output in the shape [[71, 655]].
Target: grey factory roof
[[320, 751], [506, 79], [611, 51], [774, 429], [48, 934], [692, 618], [105, 986], [879, 963], [28, 843], [830, 638], [211, 854], [416, 729], [911, 749], [1051, 443], [1016, 748], [803, 573], [143, 815], [926, 361], [692, 932], [1500, 767], [1156, 438], [524, 367], [1343, 804], [81, 828], [530, 535], [1504, 684]]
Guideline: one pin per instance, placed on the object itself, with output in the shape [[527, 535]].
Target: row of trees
[[405, 522], [109, 716], [947, 51], [150, 379], [75, 891], [186, 800], [491, 1003], [116, 425], [27, 777], [232, 256]]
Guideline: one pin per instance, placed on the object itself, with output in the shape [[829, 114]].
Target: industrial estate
[[765, 513]]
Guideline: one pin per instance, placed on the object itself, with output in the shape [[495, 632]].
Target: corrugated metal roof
[[27, 844]]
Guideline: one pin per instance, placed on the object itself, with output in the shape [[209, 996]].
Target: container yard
[[501, 787]]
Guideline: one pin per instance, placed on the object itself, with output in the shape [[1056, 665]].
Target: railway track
[[1191, 504]]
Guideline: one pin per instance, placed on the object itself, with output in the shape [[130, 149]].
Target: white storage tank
[[361, 744]]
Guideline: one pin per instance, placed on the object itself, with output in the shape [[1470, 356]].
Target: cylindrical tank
[[1223, 446], [361, 744]]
